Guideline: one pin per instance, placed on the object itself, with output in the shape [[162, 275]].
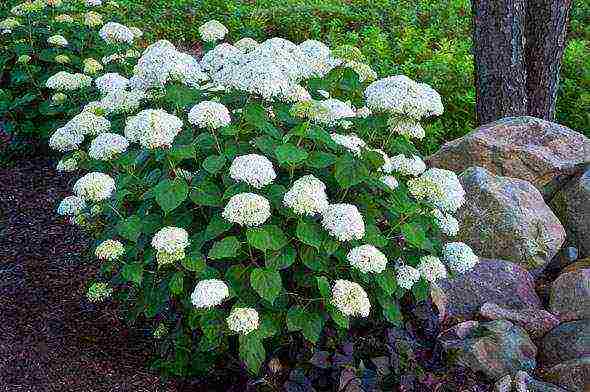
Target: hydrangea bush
[[49, 53], [240, 200]]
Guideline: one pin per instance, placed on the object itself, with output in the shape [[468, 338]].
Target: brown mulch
[[51, 339]]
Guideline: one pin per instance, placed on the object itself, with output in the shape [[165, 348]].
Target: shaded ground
[[50, 339]]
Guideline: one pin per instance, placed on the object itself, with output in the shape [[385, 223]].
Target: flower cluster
[[307, 196], [243, 320], [209, 293], [212, 31], [114, 33], [71, 206], [95, 187], [344, 222], [367, 259], [57, 40], [109, 250], [459, 257], [350, 298], [253, 169], [208, 114], [170, 244], [153, 128], [99, 292], [247, 209], [107, 146], [65, 81], [440, 187]]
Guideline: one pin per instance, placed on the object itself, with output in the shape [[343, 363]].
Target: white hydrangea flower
[[400, 95], [113, 33], [351, 142], [407, 276], [122, 101], [95, 187], [93, 3], [109, 250], [307, 196], [412, 166], [350, 298], [253, 169], [65, 81], [243, 320], [406, 126], [459, 257], [209, 114], [367, 259], [387, 167], [440, 187], [71, 206], [319, 57], [247, 209], [246, 44], [209, 293], [57, 40], [390, 182], [65, 139], [88, 123], [170, 244], [93, 19], [447, 223], [107, 146], [8, 24], [91, 66], [153, 128], [137, 33], [331, 110], [67, 165], [363, 112], [344, 222], [363, 70], [62, 59], [99, 292], [110, 82], [64, 18], [187, 70], [432, 269], [212, 31]]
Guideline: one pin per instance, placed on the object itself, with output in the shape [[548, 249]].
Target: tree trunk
[[546, 25], [500, 69]]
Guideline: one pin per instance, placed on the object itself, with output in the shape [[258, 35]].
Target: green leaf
[[310, 233], [181, 96], [252, 352], [281, 259], [265, 238], [290, 154], [320, 160], [180, 153], [132, 273], [267, 283], [416, 235], [338, 317], [324, 287], [171, 193], [206, 193], [421, 290], [217, 225], [130, 228], [194, 262], [310, 323], [176, 283], [349, 171], [391, 309], [214, 163], [387, 281], [312, 259], [226, 248]]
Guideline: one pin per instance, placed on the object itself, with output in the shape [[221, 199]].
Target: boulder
[[523, 382], [507, 218], [572, 206], [537, 322], [544, 153], [573, 375], [496, 348], [570, 295], [498, 281], [568, 341]]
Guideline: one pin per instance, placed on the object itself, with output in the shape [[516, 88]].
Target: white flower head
[[107, 146], [113, 32], [110, 82], [253, 169], [246, 44], [99, 292], [440, 187], [153, 128], [57, 40], [93, 3], [212, 31], [447, 223], [459, 257], [331, 110], [350, 298], [67, 165], [88, 123], [95, 187], [247, 209], [170, 239], [344, 222], [93, 19], [109, 250], [431, 268], [367, 259], [65, 140], [412, 166], [209, 293], [307, 196], [406, 126], [209, 114], [390, 182], [243, 320], [351, 142], [65, 81], [92, 66], [71, 206], [407, 276]]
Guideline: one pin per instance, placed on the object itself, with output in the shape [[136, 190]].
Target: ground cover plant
[[249, 198]]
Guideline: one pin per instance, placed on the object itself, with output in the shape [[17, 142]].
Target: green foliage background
[[427, 40]]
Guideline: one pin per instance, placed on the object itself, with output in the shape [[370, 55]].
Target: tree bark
[[500, 63], [546, 26]]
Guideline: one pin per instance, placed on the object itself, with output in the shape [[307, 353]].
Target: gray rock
[[507, 218], [568, 341], [501, 282], [525, 383], [541, 152], [573, 375], [537, 322], [495, 348], [572, 206], [504, 384], [570, 295]]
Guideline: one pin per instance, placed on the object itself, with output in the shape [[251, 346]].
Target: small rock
[[495, 348], [570, 295], [537, 322], [507, 218], [572, 206], [501, 282], [541, 152], [573, 375], [568, 341], [525, 383], [504, 384], [571, 253]]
